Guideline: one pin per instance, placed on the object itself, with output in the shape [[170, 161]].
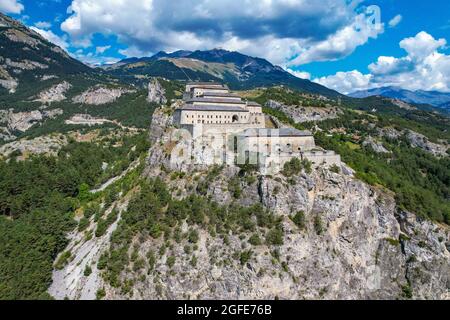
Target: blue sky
[[326, 41]]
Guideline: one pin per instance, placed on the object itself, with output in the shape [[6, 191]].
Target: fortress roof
[[282, 132], [221, 94], [215, 100], [211, 83], [190, 107]]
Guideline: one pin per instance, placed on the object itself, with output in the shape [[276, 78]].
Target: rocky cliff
[[338, 239], [156, 92], [100, 95]]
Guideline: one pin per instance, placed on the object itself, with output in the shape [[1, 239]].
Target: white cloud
[[277, 30], [43, 25], [101, 49], [423, 68], [340, 44], [300, 74], [395, 20], [346, 82], [11, 6], [421, 46], [53, 38]]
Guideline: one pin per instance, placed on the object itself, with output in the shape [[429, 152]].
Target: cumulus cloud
[[300, 74], [51, 37], [277, 30], [101, 49], [341, 44], [43, 25], [395, 20], [423, 68], [346, 82], [11, 6]]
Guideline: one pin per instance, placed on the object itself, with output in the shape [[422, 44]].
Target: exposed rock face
[[86, 119], [100, 95], [416, 140], [9, 84], [22, 121], [156, 92], [420, 141], [55, 93], [42, 145], [304, 114], [402, 104], [7, 81], [24, 65], [357, 256], [71, 282], [375, 145]]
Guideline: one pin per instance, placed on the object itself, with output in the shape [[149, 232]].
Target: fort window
[[235, 118]]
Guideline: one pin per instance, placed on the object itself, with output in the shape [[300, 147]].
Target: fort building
[[227, 129]]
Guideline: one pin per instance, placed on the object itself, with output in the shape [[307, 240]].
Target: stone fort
[[228, 130]]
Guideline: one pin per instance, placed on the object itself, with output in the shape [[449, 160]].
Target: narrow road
[[132, 166]]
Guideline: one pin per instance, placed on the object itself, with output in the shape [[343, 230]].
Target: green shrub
[[300, 220], [83, 224], [255, 240], [292, 167], [63, 260], [171, 261], [87, 271], [275, 236], [101, 293], [193, 236], [245, 256], [335, 168], [318, 225]]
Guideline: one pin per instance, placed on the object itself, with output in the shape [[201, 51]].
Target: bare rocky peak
[[100, 95]]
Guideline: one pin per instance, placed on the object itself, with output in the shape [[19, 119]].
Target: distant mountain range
[[434, 98], [239, 71]]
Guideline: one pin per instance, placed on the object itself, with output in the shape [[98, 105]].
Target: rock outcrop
[[305, 113], [375, 145], [11, 121], [100, 95], [86, 119], [55, 93], [156, 92], [49, 145], [418, 140]]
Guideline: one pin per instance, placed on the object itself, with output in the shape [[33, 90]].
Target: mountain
[[239, 71], [26, 57], [433, 98]]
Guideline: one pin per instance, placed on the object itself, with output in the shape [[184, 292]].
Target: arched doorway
[[235, 118]]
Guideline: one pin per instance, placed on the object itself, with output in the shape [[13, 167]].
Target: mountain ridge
[[238, 70], [434, 98]]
